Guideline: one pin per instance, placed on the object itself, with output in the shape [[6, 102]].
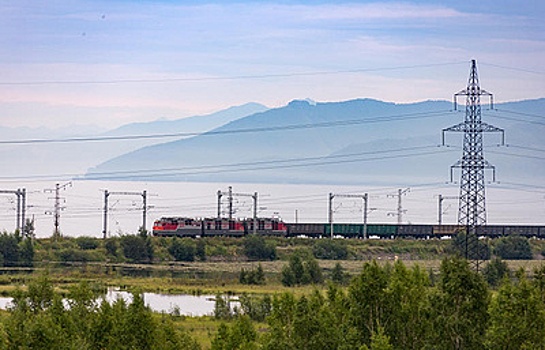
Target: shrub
[[478, 249], [255, 276], [513, 248], [256, 248], [137, 248], [301, 270], [182, 249], [86, 243], [495, 271], [330, 249]]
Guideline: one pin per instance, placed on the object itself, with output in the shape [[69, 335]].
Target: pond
[[184, 304]]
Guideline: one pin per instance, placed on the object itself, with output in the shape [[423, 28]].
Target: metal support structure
[[441, 198], [400, 211], [58, 208], [472, 204], [107, 194], [21, 206], [230, 195], [365, 199]]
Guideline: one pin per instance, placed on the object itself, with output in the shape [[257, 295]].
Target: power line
[[378, 119], [163, 171], [234, 77]]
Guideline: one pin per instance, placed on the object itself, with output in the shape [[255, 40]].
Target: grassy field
[[197, 277]]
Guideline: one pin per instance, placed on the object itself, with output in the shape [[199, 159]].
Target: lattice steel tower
[[472, 207]]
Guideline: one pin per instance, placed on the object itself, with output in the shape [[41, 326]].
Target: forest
[[288, 297]]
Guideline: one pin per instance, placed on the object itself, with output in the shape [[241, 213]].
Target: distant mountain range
[[357, 141], [74, 158]]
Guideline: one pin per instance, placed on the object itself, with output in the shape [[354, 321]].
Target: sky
[[112, 62]]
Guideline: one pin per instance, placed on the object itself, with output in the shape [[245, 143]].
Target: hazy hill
[[73, 158], [356, 144]]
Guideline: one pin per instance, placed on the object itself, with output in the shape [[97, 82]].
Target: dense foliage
[[256, 248], [393, 307], [16, 250], [301, 269], [330, 249], [253, 276], [513, 248], [40, 320], [182, 249]]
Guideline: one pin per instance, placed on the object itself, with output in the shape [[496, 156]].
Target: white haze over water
[[84, 203]]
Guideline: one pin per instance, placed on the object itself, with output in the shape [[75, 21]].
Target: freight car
[[190, 227]]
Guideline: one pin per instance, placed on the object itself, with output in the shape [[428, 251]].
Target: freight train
[[191, 227]]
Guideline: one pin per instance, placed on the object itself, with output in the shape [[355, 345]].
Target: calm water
[[189, 305], [84, 203]]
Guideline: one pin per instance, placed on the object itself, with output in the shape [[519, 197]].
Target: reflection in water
[[189, 305]]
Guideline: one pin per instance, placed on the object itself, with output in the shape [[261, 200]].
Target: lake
[[189, 305]]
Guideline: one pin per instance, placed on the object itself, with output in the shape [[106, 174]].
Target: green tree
[[495, 271], [137, 248], [379, 341], [330, 249], [369, 300], [517, 317], [111, 245], [255, 248], [26, 252], [408, 307], [479, 248], [87, 243], [513, 248], [459, 307], [182, 249], [200, 251], [338, 274], [301, 269], [9, 249]]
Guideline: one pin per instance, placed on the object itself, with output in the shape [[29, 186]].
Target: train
[[207, 227]]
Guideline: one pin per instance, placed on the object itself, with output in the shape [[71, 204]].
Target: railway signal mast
[[145, 207], [472, 208], [21, 205], [230, 194], [365, 199]]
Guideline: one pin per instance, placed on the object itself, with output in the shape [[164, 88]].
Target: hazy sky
[[112, 62]]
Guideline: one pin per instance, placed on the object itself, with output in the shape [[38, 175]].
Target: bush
[[68, 255], [256, 248], [338, 275], [9, 248], [137, 248], [330, 249], [182, 249], [495, 271], [301, 270], [111, 246], [477, 249], [255, 276], [513, 248], [86, 243]]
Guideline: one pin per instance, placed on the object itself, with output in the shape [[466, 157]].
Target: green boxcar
[[345, 230], [382, 230]]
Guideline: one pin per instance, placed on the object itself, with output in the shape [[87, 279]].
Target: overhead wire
[[233, 77], [379, 119]]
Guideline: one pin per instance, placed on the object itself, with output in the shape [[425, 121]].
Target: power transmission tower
[[472, 206], [365, 199], [230, 195], [58, 208], [400, 210], [21, 206], [145, 207]]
